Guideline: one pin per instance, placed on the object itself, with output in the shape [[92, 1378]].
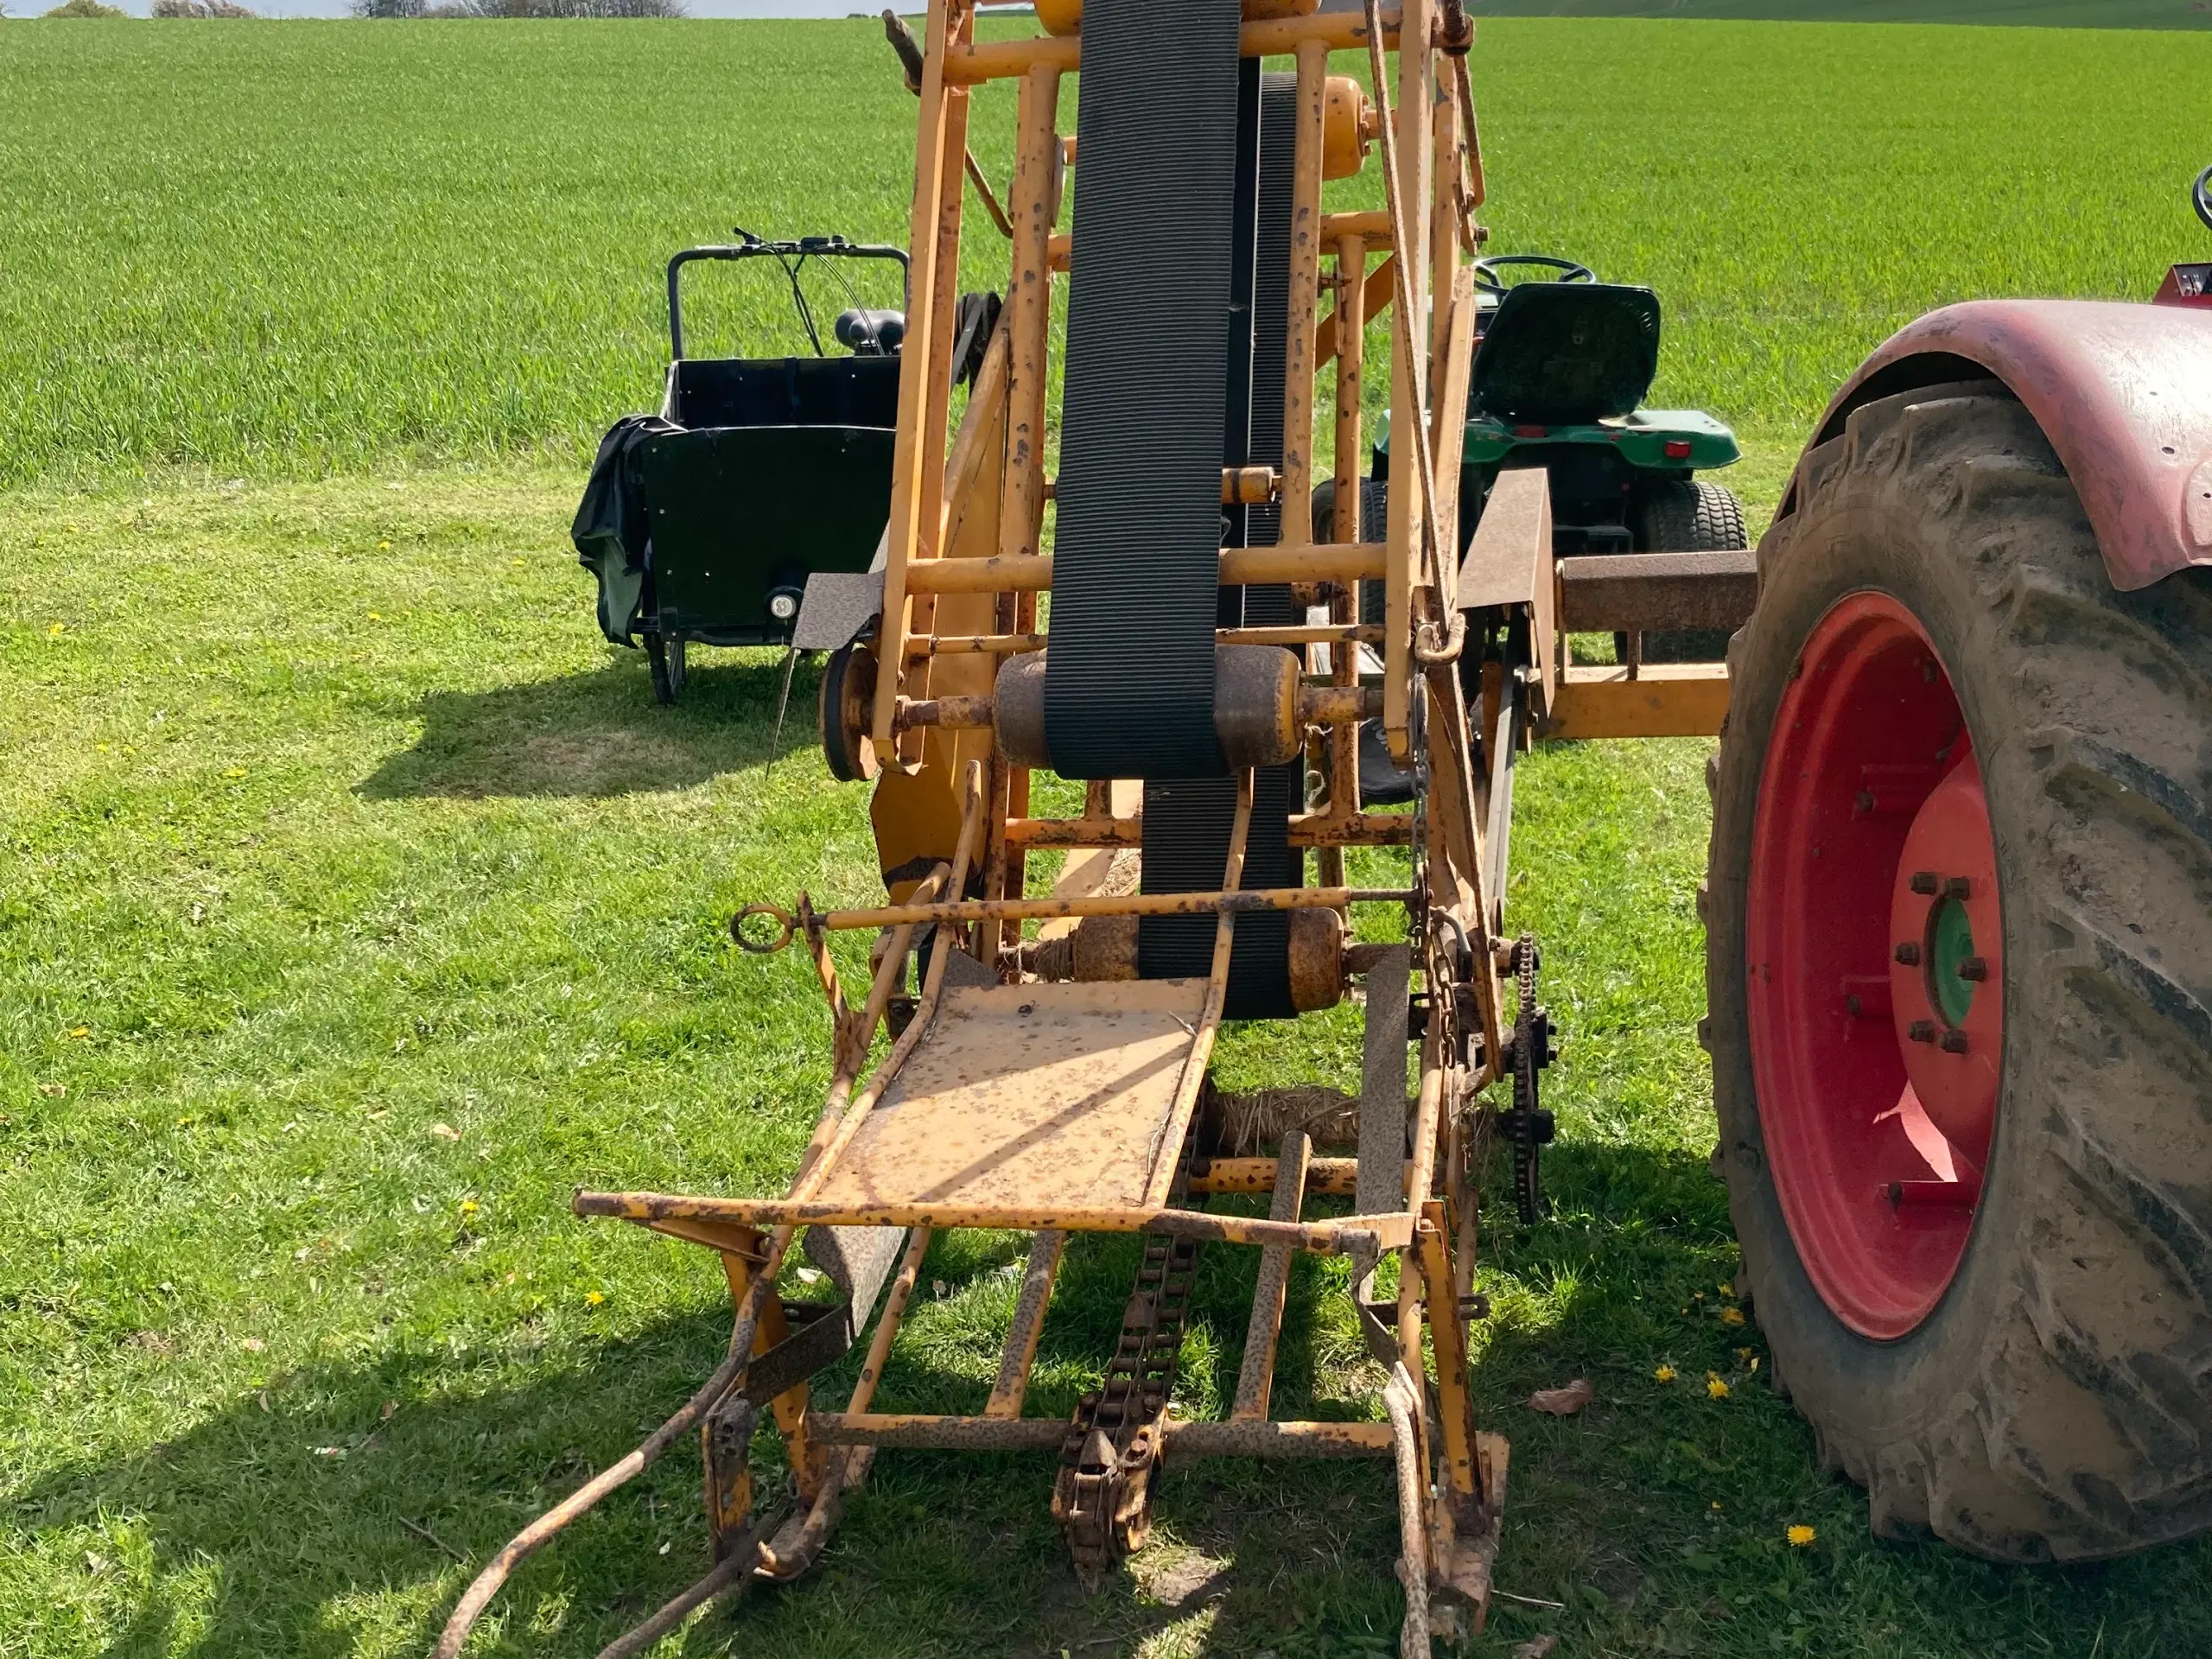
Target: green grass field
[[356, 903], [310, 247], [2043, 14]]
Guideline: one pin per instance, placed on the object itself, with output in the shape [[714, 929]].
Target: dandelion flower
[[383, 544], [1800, 1537], [1665, 1374], [1715, 1387], [1728, 1290], [593, 1299], [55, 630], [376, 616], [100, 747], [234, 772], [1716, 1506], [77, 1033], [1732, 1316], [468, 1206]]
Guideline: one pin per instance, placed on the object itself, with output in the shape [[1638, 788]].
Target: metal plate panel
[[1034, 1095]]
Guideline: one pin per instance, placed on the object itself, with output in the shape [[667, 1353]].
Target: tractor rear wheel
[[1959, 917]]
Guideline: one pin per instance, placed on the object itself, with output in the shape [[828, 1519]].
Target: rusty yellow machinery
[[1203, 650]]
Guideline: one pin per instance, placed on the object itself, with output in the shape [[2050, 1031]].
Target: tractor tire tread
[[2079, 1422]]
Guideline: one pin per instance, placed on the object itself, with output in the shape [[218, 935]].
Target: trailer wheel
[[1959, 915], [1681, 515], [664, 661]]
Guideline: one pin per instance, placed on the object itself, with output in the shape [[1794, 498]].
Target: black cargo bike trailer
[[703, 523]]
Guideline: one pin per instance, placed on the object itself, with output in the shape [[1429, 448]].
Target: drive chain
[[1527, 1190], [1103, 1495]]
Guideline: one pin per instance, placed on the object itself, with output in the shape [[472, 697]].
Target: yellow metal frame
[[963, 569]]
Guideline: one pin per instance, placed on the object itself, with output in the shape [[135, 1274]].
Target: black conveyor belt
[[1128, 687], [1181, 241], [1187, 821]]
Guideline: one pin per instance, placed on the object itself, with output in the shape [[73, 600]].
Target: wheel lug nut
[[1921, 1031], [1954, 1042], [1908, 953], [1924, 882], [1973, 968], [1956, 887]]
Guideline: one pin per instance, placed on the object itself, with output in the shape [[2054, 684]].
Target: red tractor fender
[[2123, 391]]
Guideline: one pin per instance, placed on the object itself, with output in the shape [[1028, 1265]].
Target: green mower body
[[1558, 382]]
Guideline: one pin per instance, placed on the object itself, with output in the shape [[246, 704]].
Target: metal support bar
[[1020, 1351], [1015, 644], [1256, 1379], [1240, 566], [1638, 591], [1318, 705], [1352, 1236], [1339, 31], [1130, 904], [1311, 108], [1184, 1438], [1662, 700], [1029, 307]]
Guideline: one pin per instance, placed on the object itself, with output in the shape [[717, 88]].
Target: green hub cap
[[1950, 942]]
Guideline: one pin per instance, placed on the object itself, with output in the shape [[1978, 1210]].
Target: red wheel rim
[[1874, 967]]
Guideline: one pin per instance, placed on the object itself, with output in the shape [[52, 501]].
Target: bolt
[[1924, 882], [1921, 1031], [1955, 886], [1928, 669], [1908, 953], [1954, 1042], [1863, 802], [1973, 968], [1851, 1006]]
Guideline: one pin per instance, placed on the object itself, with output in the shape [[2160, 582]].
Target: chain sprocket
[[1528, 1127], [1101, 1497]]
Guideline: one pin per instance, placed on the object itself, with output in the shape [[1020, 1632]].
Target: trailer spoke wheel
[[1877, 1031]]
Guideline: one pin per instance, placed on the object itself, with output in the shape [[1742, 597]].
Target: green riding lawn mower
[[1558, 382]]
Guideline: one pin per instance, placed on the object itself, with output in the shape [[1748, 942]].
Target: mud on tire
[[2056, 1403]]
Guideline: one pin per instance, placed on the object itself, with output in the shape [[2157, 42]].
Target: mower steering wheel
[[2200, 196], [1486, 269]]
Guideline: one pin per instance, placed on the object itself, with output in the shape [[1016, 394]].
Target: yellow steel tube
[[1361, 561], [1305, 292]]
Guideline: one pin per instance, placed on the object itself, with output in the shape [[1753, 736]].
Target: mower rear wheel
[[1940, 673], [1684, 515]]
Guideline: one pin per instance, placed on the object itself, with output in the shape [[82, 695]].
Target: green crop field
[[2044, 14], [275, 251], [356, 903]]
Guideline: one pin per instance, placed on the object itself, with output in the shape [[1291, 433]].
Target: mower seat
[[1567, 354], [744, 392]]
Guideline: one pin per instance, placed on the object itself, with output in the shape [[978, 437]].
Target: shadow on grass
[[1654, 1516], [600, 734]]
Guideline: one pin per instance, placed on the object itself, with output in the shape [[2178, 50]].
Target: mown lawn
[[356, 903]]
